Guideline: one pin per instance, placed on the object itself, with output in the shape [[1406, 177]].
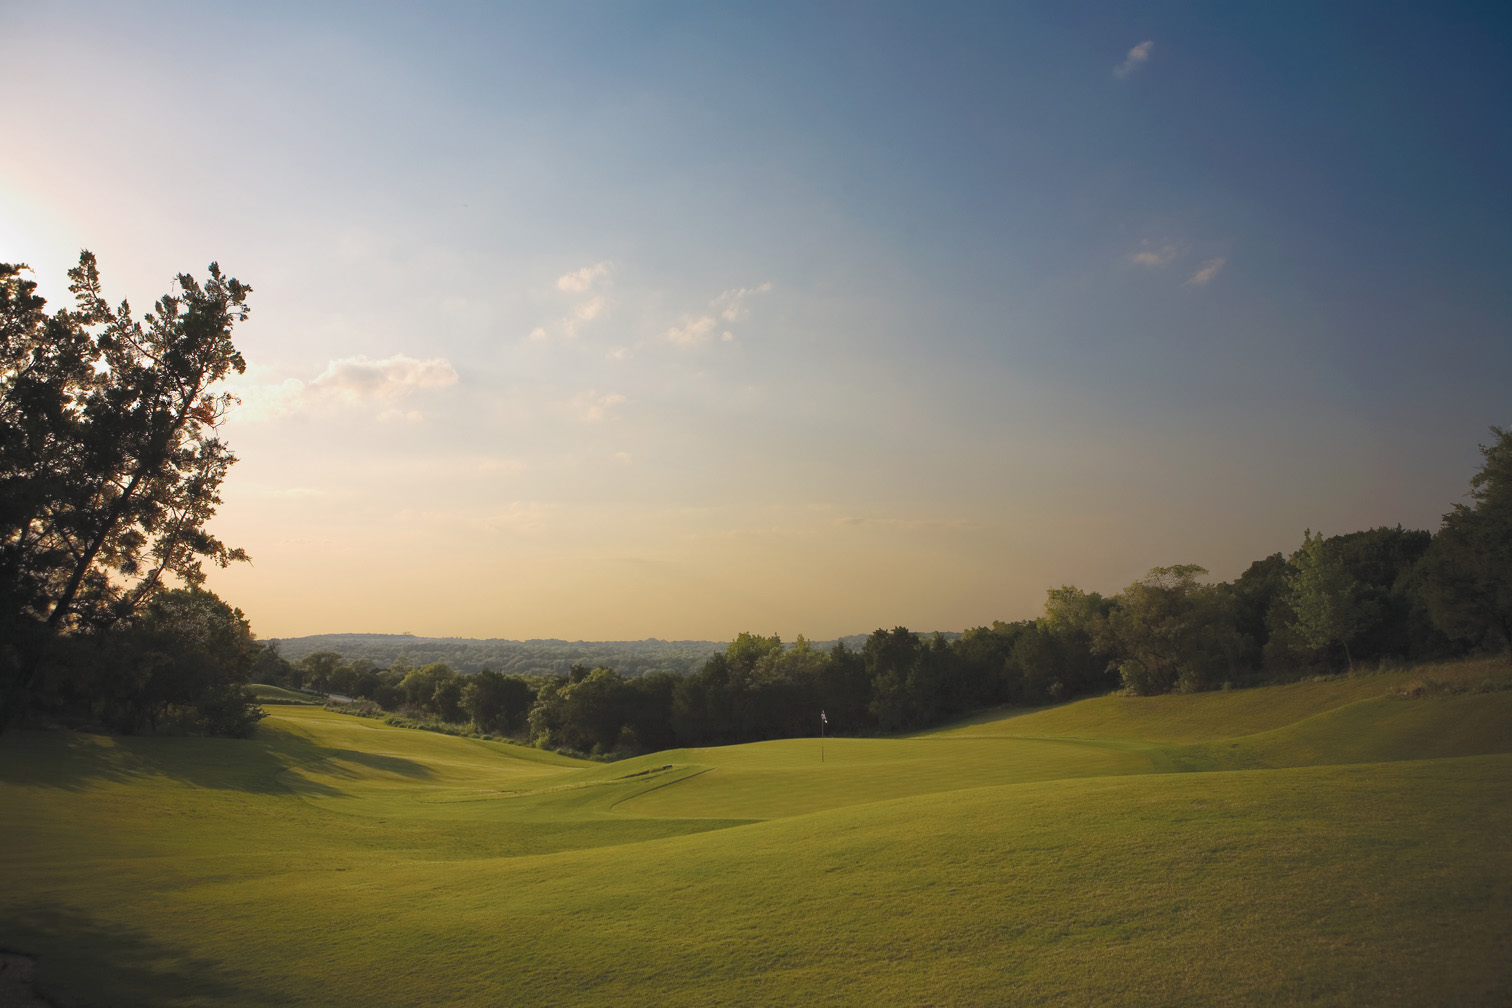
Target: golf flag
[[822, 718]]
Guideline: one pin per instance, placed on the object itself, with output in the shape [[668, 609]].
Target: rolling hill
[[1341, 842]]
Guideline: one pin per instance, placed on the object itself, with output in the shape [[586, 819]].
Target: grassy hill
[[1342, 842], [278, 695]]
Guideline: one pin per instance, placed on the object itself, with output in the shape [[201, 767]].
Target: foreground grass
[[1345, 848]]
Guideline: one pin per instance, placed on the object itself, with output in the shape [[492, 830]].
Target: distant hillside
[[528, 657]]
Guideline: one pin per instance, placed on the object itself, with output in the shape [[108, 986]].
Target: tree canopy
[[1468, 570], [110, 463], [1324, 596]]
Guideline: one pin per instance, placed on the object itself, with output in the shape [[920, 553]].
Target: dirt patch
[[16, 990]]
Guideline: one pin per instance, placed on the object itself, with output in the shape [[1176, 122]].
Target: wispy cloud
[[1209, 270], [577, 282], [729, 307], [354, 379], [580, 280], [732, 306], [1137, 57], [692, 331], [591, 407], [351, 381], [1155, 257]]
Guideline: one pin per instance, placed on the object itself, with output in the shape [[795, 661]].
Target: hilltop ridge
[[534, 656]]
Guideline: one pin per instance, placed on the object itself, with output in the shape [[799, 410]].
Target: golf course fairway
[[1341, 842]]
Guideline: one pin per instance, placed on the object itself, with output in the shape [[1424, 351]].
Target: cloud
[[692, 332], [1155, 257], [577, 282], [731, 305], [1136, 58], [580, 280], [351, 381], [590, 407], [1207, 272], [268, 400], [354, 379]]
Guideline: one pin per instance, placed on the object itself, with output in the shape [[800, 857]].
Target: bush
[[231, 711]]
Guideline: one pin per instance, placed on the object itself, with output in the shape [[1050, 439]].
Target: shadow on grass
[[82, 960], [262, 764], [988, 715], [299, 752]]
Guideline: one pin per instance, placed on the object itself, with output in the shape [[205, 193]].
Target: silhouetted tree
[[110, 465]]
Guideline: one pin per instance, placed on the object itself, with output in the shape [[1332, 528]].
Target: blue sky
[[613, 320]]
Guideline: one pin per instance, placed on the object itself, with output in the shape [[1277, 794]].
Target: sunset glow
[[623, 320]]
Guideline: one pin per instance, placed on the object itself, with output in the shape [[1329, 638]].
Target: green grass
[[1321, 843], [279, 695]]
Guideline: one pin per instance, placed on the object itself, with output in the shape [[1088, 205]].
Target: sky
[[616, 320]]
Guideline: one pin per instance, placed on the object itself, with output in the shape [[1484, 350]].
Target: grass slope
[[279, 695], [1326, 844]]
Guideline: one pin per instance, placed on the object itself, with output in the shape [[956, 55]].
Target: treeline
[[1380, 595], [524, 658], [756, 688]]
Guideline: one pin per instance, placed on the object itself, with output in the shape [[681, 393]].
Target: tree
[[320, 669], [1168, 630], [1466, 574], [188, 656], [892, 660], [843, 690], [782, 692], [273, 668], [715, 704], [1384, 563], [1055, 656], [1259, 596], [984, 656], [434, 688], [110, 465], [497, 703], [1324, 596], [591, 714]]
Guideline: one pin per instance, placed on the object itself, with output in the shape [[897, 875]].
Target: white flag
[[822, 718]]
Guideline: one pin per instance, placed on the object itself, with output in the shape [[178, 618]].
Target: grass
[[279, 695], [1329, 843]]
